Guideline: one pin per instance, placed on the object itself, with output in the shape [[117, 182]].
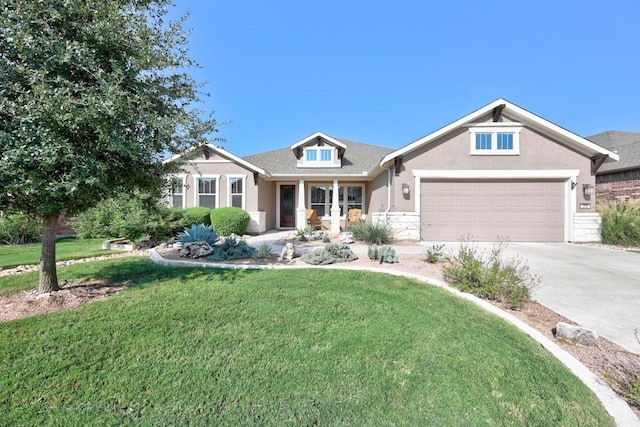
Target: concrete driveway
[[597, 288]]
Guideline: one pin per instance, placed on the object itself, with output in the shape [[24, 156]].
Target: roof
[[359, 160], [222, 152], [626, 144], [516, 113]]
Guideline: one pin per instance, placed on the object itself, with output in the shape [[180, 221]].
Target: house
[[498, 172], [621, 180]]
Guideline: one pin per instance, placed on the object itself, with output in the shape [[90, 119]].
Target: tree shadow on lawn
[[140, 272]]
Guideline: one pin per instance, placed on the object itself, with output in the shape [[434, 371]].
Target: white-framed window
[[321, 196], [176, 192], [207, 191], [318, 157], [237, 191], [495, 141]]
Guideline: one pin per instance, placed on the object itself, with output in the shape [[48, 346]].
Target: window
[[320, 199], [176, 192], [495, 140], [236, 191], [318, 157], [207, 192], [311, 155]]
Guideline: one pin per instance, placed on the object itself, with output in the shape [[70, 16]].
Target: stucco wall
[[452, 152], [618, 186], [225, 169]]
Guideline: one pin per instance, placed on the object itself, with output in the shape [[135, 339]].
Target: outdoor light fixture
[[587, 189], [405, 189]]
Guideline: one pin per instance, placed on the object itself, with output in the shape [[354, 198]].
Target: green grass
[[280, 347], [66, 248]]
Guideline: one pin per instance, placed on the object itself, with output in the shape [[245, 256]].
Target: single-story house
[[619, 180], [498, 172]]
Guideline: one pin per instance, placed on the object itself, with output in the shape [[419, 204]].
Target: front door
[[287, 206]]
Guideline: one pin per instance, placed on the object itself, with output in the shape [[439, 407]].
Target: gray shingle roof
[[626, 144], [358, 159]]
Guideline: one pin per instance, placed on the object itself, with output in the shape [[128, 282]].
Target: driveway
[[597, 288]]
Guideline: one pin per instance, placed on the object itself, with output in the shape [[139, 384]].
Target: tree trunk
[[48, 275]]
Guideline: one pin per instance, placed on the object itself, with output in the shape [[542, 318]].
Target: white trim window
[[319, 157], [207, 191], [320, 197], [176, 192], [499, 141], [237, 191]]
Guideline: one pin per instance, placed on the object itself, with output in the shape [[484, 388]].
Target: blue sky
[[390, 72]]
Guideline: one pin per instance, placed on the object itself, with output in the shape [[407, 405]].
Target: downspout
[[386, 212]]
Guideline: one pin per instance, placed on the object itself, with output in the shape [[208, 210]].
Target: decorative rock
[[346, 237], [288, 252], [195, 250], [576, 334]]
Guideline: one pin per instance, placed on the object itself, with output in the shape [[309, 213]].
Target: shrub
[[135, 217], [330, 254], [378, 234], [326, 238], [19, 229], [488, 276], [264, 251], [433, 254], [198, 233], [620, 222], [230, 220], [196, 215], [387, 254], [231, 249]]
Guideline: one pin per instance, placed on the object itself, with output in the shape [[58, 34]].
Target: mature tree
[[93, 95]]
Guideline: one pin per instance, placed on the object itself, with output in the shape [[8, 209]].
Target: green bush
[[19, 229], [135, 217], [379, 234], [330, 254], [488, 276], [231, 249], [620, 222], [196, 215], [230, 220]]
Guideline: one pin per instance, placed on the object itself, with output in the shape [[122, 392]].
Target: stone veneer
[[618, 186], [404, 225]]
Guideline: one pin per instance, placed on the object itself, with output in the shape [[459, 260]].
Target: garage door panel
[[485, 210]]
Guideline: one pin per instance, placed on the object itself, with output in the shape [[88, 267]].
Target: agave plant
[[198, 233]]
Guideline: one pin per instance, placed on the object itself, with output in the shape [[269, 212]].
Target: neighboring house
[[621, 180], [498, 172]]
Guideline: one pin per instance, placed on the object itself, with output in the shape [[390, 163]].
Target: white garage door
[[488, 210]]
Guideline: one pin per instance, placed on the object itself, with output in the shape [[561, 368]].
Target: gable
[[494, 116]]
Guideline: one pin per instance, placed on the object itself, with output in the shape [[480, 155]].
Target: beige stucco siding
[[223, 170], [267, 201], [453, 152]]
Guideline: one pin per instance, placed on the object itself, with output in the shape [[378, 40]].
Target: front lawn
[[66, 248], [279, 347]]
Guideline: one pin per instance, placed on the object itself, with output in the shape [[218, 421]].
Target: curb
[[613, 404]]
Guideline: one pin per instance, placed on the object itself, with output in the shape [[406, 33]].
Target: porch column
[[335, 210], [301, 218]]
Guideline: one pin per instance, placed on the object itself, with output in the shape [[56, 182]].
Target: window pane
[[236, 185], [207, 201], [319, 200], [176, 186], [236, 201], [325, 155], [483, 141], [207, 185], [505, 141], [176, 200], [312, 155]]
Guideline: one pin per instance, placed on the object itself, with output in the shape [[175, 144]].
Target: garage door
[[487, 210]]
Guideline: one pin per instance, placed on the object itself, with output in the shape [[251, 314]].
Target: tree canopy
[[93, 95]]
